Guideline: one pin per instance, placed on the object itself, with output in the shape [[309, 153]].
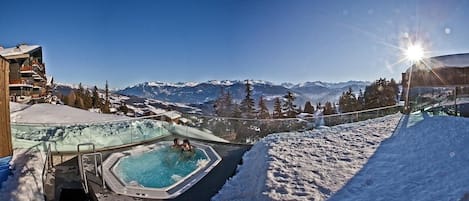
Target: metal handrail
[[85, 179], [80, 162], [48, 163]]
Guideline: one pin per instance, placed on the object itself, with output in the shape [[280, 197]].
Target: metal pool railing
[[48, 164]]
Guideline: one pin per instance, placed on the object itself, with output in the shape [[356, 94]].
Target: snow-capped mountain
[[324, 91], [139, 105], [199, 93]]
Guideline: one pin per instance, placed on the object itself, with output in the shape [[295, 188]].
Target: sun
[[414, 53]]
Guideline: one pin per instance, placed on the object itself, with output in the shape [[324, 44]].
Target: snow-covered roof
[[27, 72], [21, 85], [303, 114], [452, 60], [157, 110], [184, 120], [18, 50], [172, 114]]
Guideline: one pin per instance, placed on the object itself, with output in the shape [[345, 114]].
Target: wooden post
[[6, 148]]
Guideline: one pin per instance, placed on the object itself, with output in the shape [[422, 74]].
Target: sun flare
[[414, 53]]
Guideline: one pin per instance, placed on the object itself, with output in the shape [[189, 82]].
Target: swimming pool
[[157, 171], [159, 168]]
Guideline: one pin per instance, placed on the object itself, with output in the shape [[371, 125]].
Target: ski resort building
[[27, 73], [436, 78]]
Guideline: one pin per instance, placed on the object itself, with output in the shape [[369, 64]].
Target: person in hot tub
[[176, 145], [187, 148]]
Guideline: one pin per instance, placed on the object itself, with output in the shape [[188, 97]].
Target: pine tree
[[70, 99], [80, 103], [277, 109], [309, 108], [289, 107], [123, 108], [348, 102], [224, 104], [236, 113], [106, 107], [361, 100], [228, 101], [328, 108], [87, 99], [219, 104], [263, 112], [395, 87], [96, 101], [380, 93], [247, 105]]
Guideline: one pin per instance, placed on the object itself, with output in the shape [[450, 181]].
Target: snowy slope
[[49, 113], [426, 161], [306, 166], [14, 107]]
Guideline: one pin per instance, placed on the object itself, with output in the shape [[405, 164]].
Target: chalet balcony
[[37, 77], [39, 68], [16, 81], [21, 82], [27, 70]]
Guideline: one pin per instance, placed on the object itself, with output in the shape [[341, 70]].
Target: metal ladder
[[81, 167]]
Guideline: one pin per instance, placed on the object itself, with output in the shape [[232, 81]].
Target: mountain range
[[193, 97], [203, 92]]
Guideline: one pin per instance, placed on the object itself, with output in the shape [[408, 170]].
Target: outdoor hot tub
[[157, 171]]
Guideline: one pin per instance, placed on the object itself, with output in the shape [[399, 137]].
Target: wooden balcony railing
[[26, 68], [16, 81]]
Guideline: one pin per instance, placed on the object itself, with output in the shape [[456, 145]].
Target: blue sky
[[128, 42]]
